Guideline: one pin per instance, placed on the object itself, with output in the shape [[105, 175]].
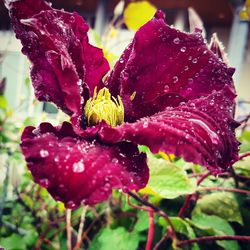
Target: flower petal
[[77, 171], [64, 65], [163, 67], [201, 131]]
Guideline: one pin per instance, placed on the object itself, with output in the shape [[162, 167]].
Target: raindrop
[[56, 159], [36, 131], [115, 160], [186, 68], [44, 153], [190, 80], [175, 79], [145, 124], [70, 204], [183, 49], [166, 88], [211, 102], [44, 183], [194, 60], [176, 40], [78, 167], [121, 60]]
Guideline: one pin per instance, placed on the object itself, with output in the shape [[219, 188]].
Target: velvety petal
[[163, 67], [65, 67], [201, 131], [77, 171]]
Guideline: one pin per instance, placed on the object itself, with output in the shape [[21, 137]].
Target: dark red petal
[[65, 67], [201, 131], [164, 67], [75, 170]]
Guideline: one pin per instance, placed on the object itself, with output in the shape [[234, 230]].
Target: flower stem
[[68, 225], [80, 229], [207, 238], [244, 155], [188, 199], [156, 210], [151, 229]]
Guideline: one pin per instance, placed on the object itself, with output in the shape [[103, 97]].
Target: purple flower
[[170, 92]]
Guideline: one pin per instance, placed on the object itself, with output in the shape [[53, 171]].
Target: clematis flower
[[168, 91]]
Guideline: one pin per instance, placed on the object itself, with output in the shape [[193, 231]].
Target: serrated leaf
[[223, 205], [168, 180], [118, 238], [214, 225]]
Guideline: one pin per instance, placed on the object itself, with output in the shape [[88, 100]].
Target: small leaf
[[223, 205], [168, 180], [142, 221], [138, 13], [182, 227], [118, 238], [214, 225], [243, 166]]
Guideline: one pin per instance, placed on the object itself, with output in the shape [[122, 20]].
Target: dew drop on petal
[[44, 153], [176, 40], [190, 80], [78, 167], [194, 60], [70, 204], [175, 79], [166, 88], [44, 183], [183, 49]]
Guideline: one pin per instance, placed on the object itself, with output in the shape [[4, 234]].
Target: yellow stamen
[[104, 107], [132, 97]]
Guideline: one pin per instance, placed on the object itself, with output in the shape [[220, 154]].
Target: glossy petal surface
[[201, 131], [77, 171], [65, 67], [163, 67]]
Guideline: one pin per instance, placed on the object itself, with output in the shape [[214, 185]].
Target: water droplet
[[36, 131], [70, 204], [175, 79], [44, 153], [145, 124], [176, 40], [166, 88], [115, 160], [183, 49], [56, 159], [44, 183], [211, 102], [194, 60], [190, 80], [186, 68], [78, 167], [121, 60]]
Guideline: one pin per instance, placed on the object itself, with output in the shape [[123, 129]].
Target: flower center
[[104, 107]]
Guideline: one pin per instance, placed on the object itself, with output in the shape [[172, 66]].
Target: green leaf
[[243, 166], [142, 221], [14, 242], [118, 238], [214, 225], [245, 141], [168, 180], [223, 205], [181, 227]]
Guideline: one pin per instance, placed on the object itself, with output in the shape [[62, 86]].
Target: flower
[[169, 91]]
